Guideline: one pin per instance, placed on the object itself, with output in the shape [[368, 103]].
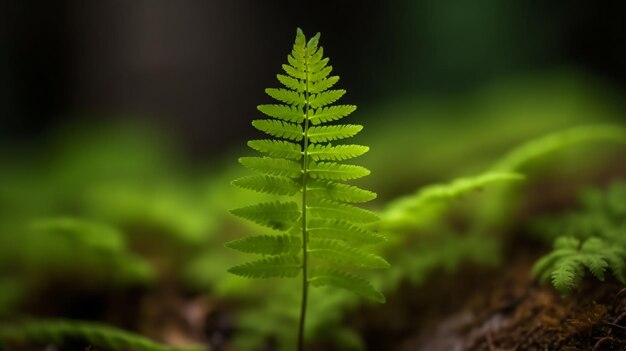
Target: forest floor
[[479, 309]]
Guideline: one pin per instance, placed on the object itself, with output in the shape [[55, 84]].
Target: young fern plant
[[589, 239], [322, 234]]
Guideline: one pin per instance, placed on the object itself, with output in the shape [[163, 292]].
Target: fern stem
[[305, 144]]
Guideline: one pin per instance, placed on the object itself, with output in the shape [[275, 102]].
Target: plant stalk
[[305, 282]]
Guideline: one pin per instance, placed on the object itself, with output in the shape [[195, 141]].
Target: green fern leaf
[[279, 129], [325, 134], [272, 166], [325, 98], [321, 74], [324, 276], [268, 184], [341, 230], [339, 192], [335, 153], [312, 46], [534, 149], [331, 113], [334, 210], [294, 72], [318, 66], [291, 83], [295, 60], [284, 266], [603, 247], [276, 215], [566, 275], [542, 269], [324, 84], [277, 148], [336, 171], [416, 210], [593, 257], [287, 96], [267, 244], [284, 112], [617, 262], [316, 57], [341, 252]]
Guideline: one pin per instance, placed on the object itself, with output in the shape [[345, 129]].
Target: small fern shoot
[[592, 239], [322, 233], [566, 264]]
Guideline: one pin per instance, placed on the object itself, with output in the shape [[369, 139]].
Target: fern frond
[[341, 230], [284, 266], [276, 215], [287, 96], [329, 133], [294, 72], [336, 171], [566, 274], [91, 234], [317, 67], [284, 112], [59, 331], [268, 184], [319, 152], [324, 276], [277, 148], [272, 166], [321, 74], [534, 149], [267, 244], [412, 210], [331, 113], [334, 210], [312, 46], [616, 259], [296, 59], [603, 245], [325, 98], [339, 192], [341, 252], [323, 84], [279, 129], [317, 56], [324, 225], [566, 264], [292, 83]]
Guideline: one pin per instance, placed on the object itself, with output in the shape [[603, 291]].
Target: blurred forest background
[[196, 67]]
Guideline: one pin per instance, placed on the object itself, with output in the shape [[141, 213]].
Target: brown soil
[[487, 310]]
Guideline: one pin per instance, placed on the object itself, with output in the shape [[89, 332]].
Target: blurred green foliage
[[119, 206], [59, 332]]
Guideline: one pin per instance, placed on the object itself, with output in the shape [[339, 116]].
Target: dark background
[[198, 68]]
